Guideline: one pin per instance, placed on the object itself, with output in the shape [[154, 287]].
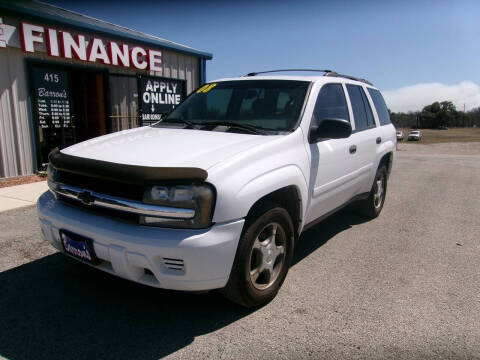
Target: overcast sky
[[416, 52]]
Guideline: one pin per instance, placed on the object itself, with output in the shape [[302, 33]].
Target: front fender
[[239, 204]]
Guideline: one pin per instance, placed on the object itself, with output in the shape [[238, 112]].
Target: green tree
[[439, 114]]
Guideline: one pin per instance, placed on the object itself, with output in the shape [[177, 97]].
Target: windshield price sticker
[[206, 88]]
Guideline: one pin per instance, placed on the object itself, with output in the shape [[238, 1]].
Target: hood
[[160, 147]]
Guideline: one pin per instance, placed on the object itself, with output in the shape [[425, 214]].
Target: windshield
[[262, 104]]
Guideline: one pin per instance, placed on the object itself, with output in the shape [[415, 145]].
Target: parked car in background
[[399, 135], [415, 135], [215, 195], [442, 128]]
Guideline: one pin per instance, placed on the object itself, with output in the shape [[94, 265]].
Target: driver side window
[[331, 103]]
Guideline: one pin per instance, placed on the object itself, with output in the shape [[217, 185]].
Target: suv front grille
[[116, 214], [114, 188]]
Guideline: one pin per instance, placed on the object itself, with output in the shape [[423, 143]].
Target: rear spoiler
[[130, 174]]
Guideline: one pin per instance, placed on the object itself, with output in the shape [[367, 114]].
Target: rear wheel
[[263, 256], [373, 205]]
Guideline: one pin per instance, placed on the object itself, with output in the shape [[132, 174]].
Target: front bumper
[[177, 259]]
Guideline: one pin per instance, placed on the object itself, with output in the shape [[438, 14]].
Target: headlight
[[200, 198]]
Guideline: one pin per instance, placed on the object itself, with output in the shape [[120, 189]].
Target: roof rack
[[333, 73], [283, 70], [325, 73]]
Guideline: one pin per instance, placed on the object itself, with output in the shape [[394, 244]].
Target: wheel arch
[[288, 197], [237, 196], [387, 160]]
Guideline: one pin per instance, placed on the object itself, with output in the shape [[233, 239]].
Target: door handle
[[353, 149], [379, 140]]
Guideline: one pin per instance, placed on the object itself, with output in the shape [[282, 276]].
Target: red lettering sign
[[64, 44]]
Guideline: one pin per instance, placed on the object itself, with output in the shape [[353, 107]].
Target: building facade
[[66, 77]]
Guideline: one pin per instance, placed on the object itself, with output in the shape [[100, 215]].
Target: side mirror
[[330, 129]]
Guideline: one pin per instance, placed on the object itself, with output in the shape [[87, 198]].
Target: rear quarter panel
[[389, 143]]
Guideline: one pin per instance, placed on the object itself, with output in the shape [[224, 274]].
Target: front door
[[333, 161]]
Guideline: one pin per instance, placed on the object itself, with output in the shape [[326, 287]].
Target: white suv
[[215, 195], [415, 135]]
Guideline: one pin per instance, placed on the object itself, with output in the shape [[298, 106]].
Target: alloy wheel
[[267, 257], [379, 190]]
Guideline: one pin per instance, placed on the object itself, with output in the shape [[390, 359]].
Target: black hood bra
[[131, 174]]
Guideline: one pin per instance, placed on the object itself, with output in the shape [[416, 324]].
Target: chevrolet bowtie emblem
[[86, 198]]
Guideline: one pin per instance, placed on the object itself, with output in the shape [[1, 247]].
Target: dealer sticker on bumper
[[78, 246]]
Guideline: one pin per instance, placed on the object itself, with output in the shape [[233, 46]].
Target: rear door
[[389, 137], [366, 137]]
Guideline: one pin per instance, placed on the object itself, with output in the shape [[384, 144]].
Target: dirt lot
[[452, 135], [19, 180], [442, 148], [403, 286]]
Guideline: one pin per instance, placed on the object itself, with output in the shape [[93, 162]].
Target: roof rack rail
[[283, 70], [325, 73], [335, 74]]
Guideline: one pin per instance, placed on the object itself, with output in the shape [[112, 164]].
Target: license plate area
[[78, 246]]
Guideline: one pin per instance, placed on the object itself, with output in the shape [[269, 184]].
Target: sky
[[415, 52]]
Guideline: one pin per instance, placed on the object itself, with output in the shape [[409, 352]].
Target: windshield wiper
[[178, 120], [250, 128]]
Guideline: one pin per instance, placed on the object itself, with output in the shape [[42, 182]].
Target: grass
[[446, 136]]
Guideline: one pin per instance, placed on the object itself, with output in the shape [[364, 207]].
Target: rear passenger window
[[380, 105], [362, 113], [331, 103]]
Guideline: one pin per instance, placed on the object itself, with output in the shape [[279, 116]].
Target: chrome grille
[[94, 199]]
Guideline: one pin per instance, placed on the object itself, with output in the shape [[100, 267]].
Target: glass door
[[123, 105]]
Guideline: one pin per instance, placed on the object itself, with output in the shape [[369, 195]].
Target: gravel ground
[[464, 148], [403, 286]]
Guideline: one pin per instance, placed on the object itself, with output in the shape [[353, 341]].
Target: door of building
[[88, 95], [123, 103], [68, 107]]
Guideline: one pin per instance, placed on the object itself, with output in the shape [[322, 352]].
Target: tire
[[373, 205], [263, 256]]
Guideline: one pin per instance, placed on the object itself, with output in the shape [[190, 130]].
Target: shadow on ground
[[319, 234], [56, 308]]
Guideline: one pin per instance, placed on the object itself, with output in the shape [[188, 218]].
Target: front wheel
[[263, 256], [373, 205]]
